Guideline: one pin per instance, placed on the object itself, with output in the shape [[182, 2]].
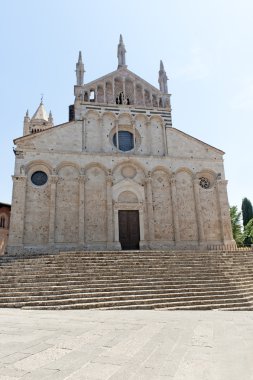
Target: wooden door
[[129, 229]]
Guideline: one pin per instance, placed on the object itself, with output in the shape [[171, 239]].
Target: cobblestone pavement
[[118, 345]]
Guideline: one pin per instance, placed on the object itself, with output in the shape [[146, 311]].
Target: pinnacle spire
[[121, 53], [162, 79], [50, 117], [40, 113], [79, 70]]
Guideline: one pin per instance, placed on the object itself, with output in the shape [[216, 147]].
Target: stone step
[[129, 294], [106, 287], [131, 280], [119, 280], [38, 291], [139, 258], [122, 265], [130, 256], [149, 304], [89, 297]]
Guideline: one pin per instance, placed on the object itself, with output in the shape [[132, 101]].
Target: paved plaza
[[118, 345]]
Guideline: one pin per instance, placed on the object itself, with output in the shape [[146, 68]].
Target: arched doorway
[[128, 210]]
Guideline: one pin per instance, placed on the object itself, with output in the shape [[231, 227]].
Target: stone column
[[149, 136], [113, 90], [100, 125], [124, 87], [133, 128], [116, 123], [84, 134], [150, 209], [109, 181], [141, 222], [165, 139], [17, 221], [81, 213], [225, 221], [116, 224], [175, 209], [201, 234], [104, 86], [52, 210], [134, 92]]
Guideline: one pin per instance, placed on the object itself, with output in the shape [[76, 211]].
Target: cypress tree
[[247, 211]]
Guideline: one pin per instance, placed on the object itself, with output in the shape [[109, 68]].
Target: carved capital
[[148, 178], [109, 179], [19, 178], [196, 181], [22, 170], [81, 179], [222, 182], [173, 180], [53, 179]]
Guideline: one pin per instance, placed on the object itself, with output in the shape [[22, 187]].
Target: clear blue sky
[[206, 47]]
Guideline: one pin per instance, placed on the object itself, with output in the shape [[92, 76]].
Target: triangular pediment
[[180, 144], [64, 137]]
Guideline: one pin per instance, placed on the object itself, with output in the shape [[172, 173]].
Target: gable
[[65, 137], [181, 144]]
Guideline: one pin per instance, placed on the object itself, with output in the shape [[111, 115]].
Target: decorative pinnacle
[[80, 57], [79, 70], [121, 53], [162, 79], [50, 118]]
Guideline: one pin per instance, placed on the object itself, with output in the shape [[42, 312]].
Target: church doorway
[[129, 229]]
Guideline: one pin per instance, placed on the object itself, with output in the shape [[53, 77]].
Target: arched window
[[92, 96], [2, 222]]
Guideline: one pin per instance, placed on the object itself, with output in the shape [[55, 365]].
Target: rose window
[[204, 183]]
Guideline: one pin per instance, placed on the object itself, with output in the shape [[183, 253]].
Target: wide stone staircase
[[128, 280]]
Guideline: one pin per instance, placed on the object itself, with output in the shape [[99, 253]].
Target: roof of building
[[5, 205], [41, 113]]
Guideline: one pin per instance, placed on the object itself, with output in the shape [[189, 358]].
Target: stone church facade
[[117, 175]]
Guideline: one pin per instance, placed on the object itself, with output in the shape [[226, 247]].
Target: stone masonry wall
[[87, 176]]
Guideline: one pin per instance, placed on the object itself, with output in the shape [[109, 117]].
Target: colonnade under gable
[[123, 91]]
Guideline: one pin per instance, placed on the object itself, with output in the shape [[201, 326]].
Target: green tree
[[235, 216], [248, 233], [247, 211]]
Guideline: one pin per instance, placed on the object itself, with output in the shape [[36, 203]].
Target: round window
[[204, 182], [124, 142], [39, 178]]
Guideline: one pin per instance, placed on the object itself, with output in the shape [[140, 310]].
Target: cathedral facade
[[117, 175]]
